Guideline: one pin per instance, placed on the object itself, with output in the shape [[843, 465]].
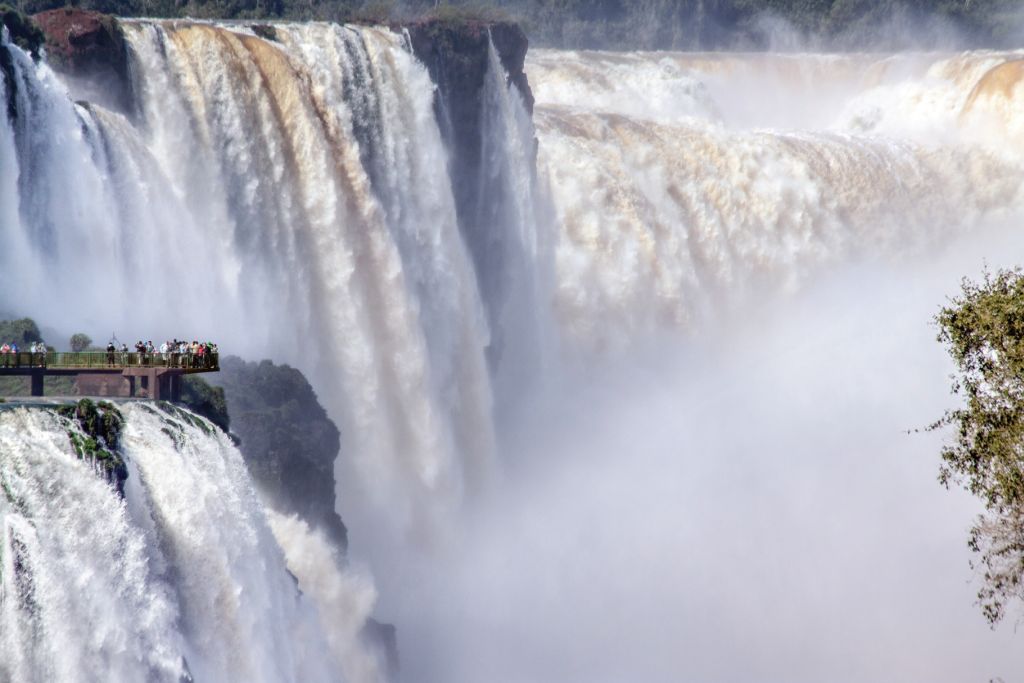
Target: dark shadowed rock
[[384, 638], [25, 34], [456, 55], [90, 48], [288, 442]]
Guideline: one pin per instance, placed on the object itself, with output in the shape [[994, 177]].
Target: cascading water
[[288, 194], [179, 580], [675, 204]]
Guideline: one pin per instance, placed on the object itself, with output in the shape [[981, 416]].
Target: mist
[[717, 476], [745, 504]]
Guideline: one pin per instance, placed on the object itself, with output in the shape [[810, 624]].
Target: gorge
[[609, 340]]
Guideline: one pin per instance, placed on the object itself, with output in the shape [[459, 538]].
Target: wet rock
[[89, 48], [456, 55]]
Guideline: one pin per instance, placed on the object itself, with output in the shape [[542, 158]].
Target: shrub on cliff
[[24, 33], [208, 401], [983, 330]]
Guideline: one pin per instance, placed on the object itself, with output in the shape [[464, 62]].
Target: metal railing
[[103, 359]]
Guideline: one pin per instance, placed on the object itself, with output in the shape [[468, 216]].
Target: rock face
[[90, 48], [25, 34], [288, 442], [456, 55]]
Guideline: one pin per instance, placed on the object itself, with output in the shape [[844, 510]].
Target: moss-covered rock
[[95, 435], [204, 399]]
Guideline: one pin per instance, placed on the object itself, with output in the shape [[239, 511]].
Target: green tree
[[983, 330], [23, 332], [80, 342]]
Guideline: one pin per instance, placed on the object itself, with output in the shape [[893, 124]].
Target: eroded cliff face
[[456, 55], [288, 441], [89, 48]]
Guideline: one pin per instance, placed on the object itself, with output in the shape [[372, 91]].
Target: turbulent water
[[290, 196], [181, 578], [648, 428], [687, 182]]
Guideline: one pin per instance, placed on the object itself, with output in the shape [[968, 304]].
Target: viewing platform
[[99, 373]]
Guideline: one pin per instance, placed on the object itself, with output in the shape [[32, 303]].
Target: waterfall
[[688, 184], [179, 580], [285, 196], [664, 323], [511, 246]]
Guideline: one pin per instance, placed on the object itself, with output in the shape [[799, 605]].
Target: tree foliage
[[80, 342], [643, 24], [23, 332], [23, 31], [983, 330]]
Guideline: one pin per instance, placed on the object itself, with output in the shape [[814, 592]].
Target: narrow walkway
[[157, 375]]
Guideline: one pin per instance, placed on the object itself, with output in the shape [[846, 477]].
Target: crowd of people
[[171, 354], [13, 357]]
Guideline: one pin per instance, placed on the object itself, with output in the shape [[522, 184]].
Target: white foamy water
[[772, 168], [181, 577], [724, 269], [298, 188]]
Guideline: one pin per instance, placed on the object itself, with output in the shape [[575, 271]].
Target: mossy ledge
[[95, 434]]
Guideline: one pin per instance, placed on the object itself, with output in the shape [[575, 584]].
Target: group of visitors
[[171, 354], [13, 357]]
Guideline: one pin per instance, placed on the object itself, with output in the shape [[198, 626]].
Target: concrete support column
[[37, 383]]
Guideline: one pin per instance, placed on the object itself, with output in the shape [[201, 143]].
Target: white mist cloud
[[745, 505]]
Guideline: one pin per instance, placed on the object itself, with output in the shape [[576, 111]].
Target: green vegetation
[[206, 400], [98, 437], [80, 342], [23, 332], [983, 330], [623, 24], [24, 33]]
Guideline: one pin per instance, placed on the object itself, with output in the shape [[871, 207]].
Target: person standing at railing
[[140, 351], [124, 354], [14, 354], [42, 351], [164, 355], [5, 351], [111, 354]]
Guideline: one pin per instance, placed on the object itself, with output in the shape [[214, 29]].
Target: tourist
[[111, 354], [140, 351], [5, 351], [14, 354], [165, 354], [124, 354]]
